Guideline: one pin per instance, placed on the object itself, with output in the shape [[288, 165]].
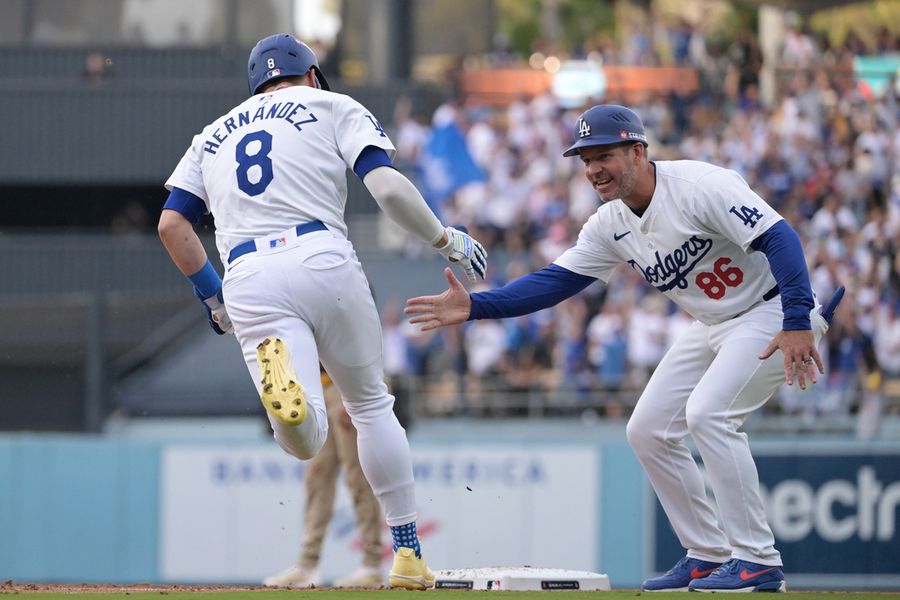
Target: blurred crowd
[[825, 154]]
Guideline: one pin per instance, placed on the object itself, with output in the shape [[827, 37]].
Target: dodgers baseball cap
[[607, 124]]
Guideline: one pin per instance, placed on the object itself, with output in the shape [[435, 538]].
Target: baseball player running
[[272, 171], [701, 236]]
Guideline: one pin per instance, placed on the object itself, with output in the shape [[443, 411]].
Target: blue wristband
[[206, 281]]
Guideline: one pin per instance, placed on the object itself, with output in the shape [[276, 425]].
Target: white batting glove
[[215, 312], [465, 250]]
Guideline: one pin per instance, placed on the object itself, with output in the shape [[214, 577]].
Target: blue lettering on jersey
[[748, 215], [312, 119], [285, 109], [671, 271], [290, 116], [278, 110], [377, 125], [273, 110]]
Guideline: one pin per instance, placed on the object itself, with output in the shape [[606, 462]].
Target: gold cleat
[[410, 572], [281, 393]]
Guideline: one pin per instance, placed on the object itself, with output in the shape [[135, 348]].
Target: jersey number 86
[[714, 284]]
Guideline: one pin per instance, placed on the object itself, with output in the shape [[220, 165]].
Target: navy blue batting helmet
[[281, 55], [607, 124]]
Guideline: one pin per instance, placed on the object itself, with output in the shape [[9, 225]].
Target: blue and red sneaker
[[678, 577], [741, 576]]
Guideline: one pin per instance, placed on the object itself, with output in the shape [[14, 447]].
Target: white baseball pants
[[311, 292], [707, 385]]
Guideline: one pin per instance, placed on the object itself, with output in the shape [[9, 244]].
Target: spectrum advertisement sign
[[834, 516]]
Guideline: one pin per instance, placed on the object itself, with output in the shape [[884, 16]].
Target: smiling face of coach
[[612, 144]]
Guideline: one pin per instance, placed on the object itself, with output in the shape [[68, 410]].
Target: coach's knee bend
[[703, 422], [643, 434]]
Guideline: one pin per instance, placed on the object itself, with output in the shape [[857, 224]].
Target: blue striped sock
[[405, 536]]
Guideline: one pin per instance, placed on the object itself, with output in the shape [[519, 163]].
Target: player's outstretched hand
[[465, 250], [451, 307], [215, 312], [800, 353]]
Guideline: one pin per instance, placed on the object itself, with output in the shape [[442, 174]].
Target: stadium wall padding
[[118, 508]]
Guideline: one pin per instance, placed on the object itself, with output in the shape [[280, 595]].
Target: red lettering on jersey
[[714, 284]]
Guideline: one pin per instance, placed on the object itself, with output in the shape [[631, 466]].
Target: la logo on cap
[[584, 129]]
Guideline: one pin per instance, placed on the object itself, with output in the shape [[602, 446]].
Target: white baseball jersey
[[278, 160], [275, 161], [691, 243]]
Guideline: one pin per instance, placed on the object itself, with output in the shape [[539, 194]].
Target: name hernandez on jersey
[[289, 111], [692, 243], [277, 160]]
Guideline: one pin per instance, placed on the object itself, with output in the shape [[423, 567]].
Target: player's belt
[[248, 247], [766, 297]]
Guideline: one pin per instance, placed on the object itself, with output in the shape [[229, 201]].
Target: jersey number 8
[[259, 159]]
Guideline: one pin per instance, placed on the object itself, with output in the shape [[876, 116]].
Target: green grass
[[407, 595]]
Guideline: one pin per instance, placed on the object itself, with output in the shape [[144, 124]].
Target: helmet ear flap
[[320, 79]]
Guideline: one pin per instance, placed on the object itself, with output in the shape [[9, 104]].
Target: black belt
[[766, 297], [248, 247]]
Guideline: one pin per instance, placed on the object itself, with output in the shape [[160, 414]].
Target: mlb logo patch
[[623, 134], [274, 73], [277, 242]]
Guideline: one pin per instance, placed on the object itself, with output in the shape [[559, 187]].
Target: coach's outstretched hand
[[449, 308], [463, 249]]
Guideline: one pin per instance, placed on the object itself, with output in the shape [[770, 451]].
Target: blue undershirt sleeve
[[186, 203], [781, 245], [206, 281], [530, 293], [370, 158]]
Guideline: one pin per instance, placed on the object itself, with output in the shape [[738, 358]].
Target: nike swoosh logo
[[619, 236], [698, 573], [745, 575]]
